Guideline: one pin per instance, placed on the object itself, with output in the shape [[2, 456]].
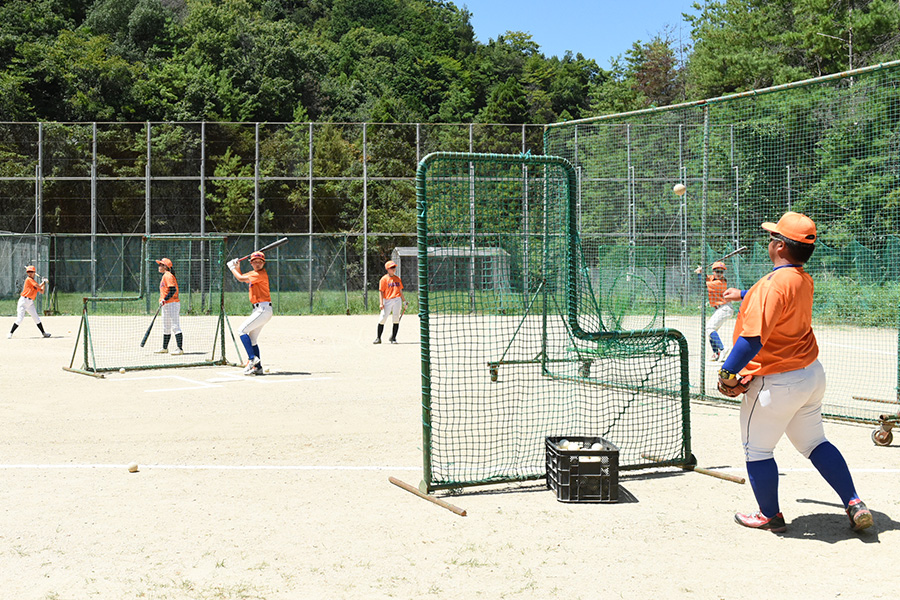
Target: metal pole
[[365, 219], [203, 217], [256, 189], [788, 167], [38, 201], [147, 186], [309, 239], [94, 211]]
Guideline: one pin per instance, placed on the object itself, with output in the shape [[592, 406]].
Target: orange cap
[[165, 261], [719, 265], [794, 226], [390, 265], [30, 269], [258, 254]]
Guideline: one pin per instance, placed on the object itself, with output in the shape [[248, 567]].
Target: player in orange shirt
[[715, 287], [30, 290], [390, 293], [258, 279], [775, 359], [170, 307]]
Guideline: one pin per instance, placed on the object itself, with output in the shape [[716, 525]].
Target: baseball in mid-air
[[133, 468], [679, 189], [122, 370]]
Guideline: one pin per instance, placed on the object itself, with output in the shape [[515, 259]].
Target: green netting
[[828, 147], [520, 327], [112, 328]]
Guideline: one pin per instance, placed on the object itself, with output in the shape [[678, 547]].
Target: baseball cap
[[165, 261], [719, 265], [258, 254], [30, 269], [390, 265], [794, 226]]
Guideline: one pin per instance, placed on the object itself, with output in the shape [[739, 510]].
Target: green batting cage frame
[[112, 329], [521, 327], [828, 147]]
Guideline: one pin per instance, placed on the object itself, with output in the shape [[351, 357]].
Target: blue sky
[[599, 29]]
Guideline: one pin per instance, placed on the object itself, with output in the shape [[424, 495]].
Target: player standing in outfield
[[774, 363], [715, 287], [390, 292], [170, 307], [26, 301], [262, 308]]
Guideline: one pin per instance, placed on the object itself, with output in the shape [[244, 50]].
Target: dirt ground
[[277, 488]]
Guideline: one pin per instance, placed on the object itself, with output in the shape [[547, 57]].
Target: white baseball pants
[[171, 313], [785, 403], [391, 307], [26, 305], [261, 314], [722, 314]]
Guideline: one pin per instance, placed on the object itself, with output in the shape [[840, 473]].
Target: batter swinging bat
[[149, 329], [740, 250], [280, 242]]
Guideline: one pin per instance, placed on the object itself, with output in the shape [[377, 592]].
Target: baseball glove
[[733, 391]]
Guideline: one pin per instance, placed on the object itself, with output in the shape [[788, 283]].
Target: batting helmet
[[258, 255], [30, 269], [165, 262], [719, 265]]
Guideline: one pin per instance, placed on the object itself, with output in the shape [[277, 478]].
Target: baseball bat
[[740, 250], [402, 311], [147, 334], [702, 471], [402, 484], [275, 244]]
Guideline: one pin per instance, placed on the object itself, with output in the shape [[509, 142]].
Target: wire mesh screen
[[515, 343], [826, 147]]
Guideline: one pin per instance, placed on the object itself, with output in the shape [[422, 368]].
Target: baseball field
[[276, 487]]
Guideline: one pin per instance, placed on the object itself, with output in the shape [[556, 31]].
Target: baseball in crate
[[583, 469]]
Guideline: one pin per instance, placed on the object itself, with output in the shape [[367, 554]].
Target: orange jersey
[[32, 288], [168, 280], [259, 286], [778, 309], [715, 288], [390, 287]]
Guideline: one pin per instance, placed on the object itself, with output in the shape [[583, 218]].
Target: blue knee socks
[[245, 340], [716, 342], [764, 481], [830, 463]]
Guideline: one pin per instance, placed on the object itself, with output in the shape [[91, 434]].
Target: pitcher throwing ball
[[26, 301], [774, 363], [258, 280]]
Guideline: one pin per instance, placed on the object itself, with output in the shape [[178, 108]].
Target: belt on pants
[[263, 304]]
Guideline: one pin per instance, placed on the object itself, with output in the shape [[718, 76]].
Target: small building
[[455, 268]]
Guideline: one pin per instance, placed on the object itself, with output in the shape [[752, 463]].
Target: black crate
[[583, 475]]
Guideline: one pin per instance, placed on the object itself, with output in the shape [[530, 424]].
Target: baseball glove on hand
[[739, 386]]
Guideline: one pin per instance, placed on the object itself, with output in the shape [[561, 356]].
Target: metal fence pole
[[94, 211], [309, 240], [256, 188], [202, 214], [365, 222]]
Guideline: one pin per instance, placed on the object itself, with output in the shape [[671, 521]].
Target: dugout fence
[[827, 147]]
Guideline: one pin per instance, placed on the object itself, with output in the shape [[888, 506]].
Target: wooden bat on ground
[[275, 244], [740, 250], [149, 329], [717, 474], [402, 484]]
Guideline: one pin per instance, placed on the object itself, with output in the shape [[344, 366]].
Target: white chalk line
[[214, 382], [344, 468], [221, 467]]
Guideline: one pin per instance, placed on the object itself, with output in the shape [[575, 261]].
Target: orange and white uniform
[[262, 305], [390, 289], [171, 305], [30, 290]]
